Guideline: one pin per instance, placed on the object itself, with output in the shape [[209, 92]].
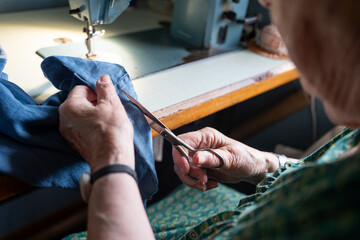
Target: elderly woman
[[315, 197]]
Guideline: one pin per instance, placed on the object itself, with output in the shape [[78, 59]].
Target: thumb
[[105, 89], [207, 159]]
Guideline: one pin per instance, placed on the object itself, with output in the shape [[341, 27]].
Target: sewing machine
[[95, 13], [204, 24]]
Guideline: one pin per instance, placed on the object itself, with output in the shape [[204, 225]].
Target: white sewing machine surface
[[140, 53]]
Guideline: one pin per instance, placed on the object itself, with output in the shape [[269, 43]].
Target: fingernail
[[200, 160], [105, 78], [204, 186]]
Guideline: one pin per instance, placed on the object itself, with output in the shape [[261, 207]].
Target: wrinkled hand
[[97, 126], [241, 162]]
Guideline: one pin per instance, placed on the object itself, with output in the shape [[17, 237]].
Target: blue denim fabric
[[31, 147]]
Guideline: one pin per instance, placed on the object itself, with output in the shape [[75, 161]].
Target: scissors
[[166, 133]]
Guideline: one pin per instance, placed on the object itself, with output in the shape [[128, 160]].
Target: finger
[[80, 97], [206, 159], [205, 138], [218, 176], [187, 168], [186, 179], [192, 138], [198, 174], [211, 184], [81, 92], [105, 90], [180, 161]]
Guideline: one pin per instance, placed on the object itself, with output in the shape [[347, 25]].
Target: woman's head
[[322, 39]]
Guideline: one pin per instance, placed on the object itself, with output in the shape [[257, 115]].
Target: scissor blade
[[153, 121]]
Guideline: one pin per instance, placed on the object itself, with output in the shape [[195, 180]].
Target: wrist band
[[115, 168], [282, 159], [87, 180]]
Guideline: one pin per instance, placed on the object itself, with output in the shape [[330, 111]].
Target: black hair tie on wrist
[[114, 168]]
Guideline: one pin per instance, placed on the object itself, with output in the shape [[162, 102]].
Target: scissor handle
[[213, 151]]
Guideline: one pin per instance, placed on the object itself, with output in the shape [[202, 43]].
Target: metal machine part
[[95, 13], [210, 23], [92, 34]]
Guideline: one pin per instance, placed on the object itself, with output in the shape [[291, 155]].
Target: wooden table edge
[[204, 105]]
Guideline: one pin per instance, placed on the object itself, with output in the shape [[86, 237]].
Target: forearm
[[264, 162], [116, 210], [97, 126]]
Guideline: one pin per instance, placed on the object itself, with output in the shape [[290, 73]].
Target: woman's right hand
[[241, 162], [97, 126]]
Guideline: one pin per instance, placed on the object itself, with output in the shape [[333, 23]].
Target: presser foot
[[92, 56]]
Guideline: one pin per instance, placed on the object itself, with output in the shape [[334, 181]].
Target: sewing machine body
[[201, 23], [205, 23], [97, 11]]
